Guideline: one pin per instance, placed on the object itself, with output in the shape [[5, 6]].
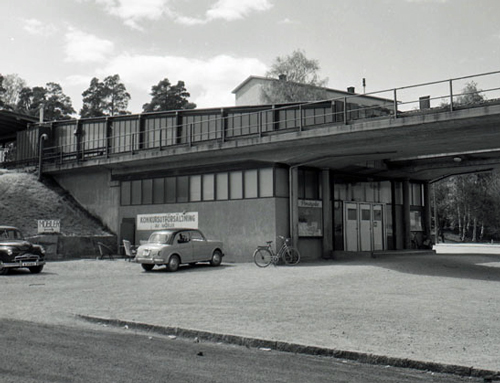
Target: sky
[[214, 45]]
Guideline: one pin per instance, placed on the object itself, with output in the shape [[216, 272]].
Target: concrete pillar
[[327, 216], [427, 211], [293, 181], [406, 215]]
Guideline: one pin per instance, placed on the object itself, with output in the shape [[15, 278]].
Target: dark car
[[177, 246], [16, 252]]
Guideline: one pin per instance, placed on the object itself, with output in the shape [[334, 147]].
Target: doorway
[[364, 226]]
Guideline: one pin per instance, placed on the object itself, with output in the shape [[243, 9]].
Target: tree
[[116, 96], [106, 98], [2, 92], [56, 105], [298, 80], [168, 97], [470, 95], [13, 85]]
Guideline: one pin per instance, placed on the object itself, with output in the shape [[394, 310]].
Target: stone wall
[[58, 247]]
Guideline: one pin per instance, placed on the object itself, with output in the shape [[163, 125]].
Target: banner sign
[[187, 220], [49, 226]]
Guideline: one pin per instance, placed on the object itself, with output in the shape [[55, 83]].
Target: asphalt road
[[33, 352]]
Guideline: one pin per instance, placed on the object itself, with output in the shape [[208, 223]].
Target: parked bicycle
[[263, 256]]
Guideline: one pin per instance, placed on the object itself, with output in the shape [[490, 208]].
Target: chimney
[[351, 89], [282, 77]]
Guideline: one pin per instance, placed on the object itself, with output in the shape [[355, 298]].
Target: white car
[[173, 247]]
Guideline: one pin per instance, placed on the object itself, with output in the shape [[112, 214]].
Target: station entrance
[[364, 224]]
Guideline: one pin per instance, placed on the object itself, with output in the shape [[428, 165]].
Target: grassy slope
[[24, 200]]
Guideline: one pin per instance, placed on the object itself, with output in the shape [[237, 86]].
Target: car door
[[183, 246], [201, 247]]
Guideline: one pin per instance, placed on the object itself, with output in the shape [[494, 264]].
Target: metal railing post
[[161, 136], [345, 110], [451, 95], [132, 143], [395, 103], [301, 126]]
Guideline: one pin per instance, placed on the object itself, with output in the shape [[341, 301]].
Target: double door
[[364, 226]]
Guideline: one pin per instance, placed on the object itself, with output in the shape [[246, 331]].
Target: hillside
[[24, 200]]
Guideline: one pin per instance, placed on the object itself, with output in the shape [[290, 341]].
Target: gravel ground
[[431, 308]]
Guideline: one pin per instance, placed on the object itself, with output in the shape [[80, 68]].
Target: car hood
[[22, 245]]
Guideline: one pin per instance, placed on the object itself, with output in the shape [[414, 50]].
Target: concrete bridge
[[396, 137]]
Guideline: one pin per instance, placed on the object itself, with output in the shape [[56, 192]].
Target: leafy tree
[[298, 80], [2, 92], [107, 98], [13, 85], [93, 100], [470, 95], [168, 97], [56, 105], [116, 96]]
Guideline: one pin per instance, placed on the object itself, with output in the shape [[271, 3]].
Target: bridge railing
[[79, 140]]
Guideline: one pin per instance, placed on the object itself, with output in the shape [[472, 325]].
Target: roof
[[11, 123], [269, 79]]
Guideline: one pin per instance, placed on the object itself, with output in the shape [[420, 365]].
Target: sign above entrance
[[161, 221]]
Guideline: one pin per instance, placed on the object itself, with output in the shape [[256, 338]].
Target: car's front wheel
[[173, 263], [36, 269], [216, 258], [147, 266], [4, 271]]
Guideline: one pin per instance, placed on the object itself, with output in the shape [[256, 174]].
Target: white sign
[[49, 226], [187, 220]]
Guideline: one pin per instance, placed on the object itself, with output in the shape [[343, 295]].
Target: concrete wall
[[95, 192], [240, 224]]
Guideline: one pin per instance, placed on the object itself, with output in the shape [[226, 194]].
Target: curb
[[300, 349]]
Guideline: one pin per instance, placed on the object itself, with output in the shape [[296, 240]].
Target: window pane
[[311, 184], [147, 192], [222, 186], [170, 190], [266, 182], [236, 185], [125, 193], [208, 187], [251, 184], [158, 190], [281, 182], [183, 189], [136, 192], [195, 188]]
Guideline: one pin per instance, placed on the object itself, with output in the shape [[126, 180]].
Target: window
[[183, 189], [251, 183], [222, 186], [236, 185], [266, 182], [158, 190], [282, 182], [136, 192], [147, 192], [170, 189], [195, 188], [125, 193], [208, 187]]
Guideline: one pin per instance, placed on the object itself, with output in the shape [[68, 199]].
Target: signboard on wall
[[310, 218], [49, 226], [161, 221]]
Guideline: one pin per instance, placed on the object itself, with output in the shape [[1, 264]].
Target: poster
[[310, 218], [188, 220]]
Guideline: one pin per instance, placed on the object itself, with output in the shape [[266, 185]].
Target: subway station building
[[349, 174]]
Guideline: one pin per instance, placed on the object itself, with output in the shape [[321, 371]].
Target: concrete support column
[[293, 181], [327, 216], [406, 215], [427, 211]]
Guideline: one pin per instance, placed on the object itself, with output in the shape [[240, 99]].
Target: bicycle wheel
[[262, 257], [291, 256]]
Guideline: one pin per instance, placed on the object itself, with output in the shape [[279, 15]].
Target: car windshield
[[159, 237], [9, 234]]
